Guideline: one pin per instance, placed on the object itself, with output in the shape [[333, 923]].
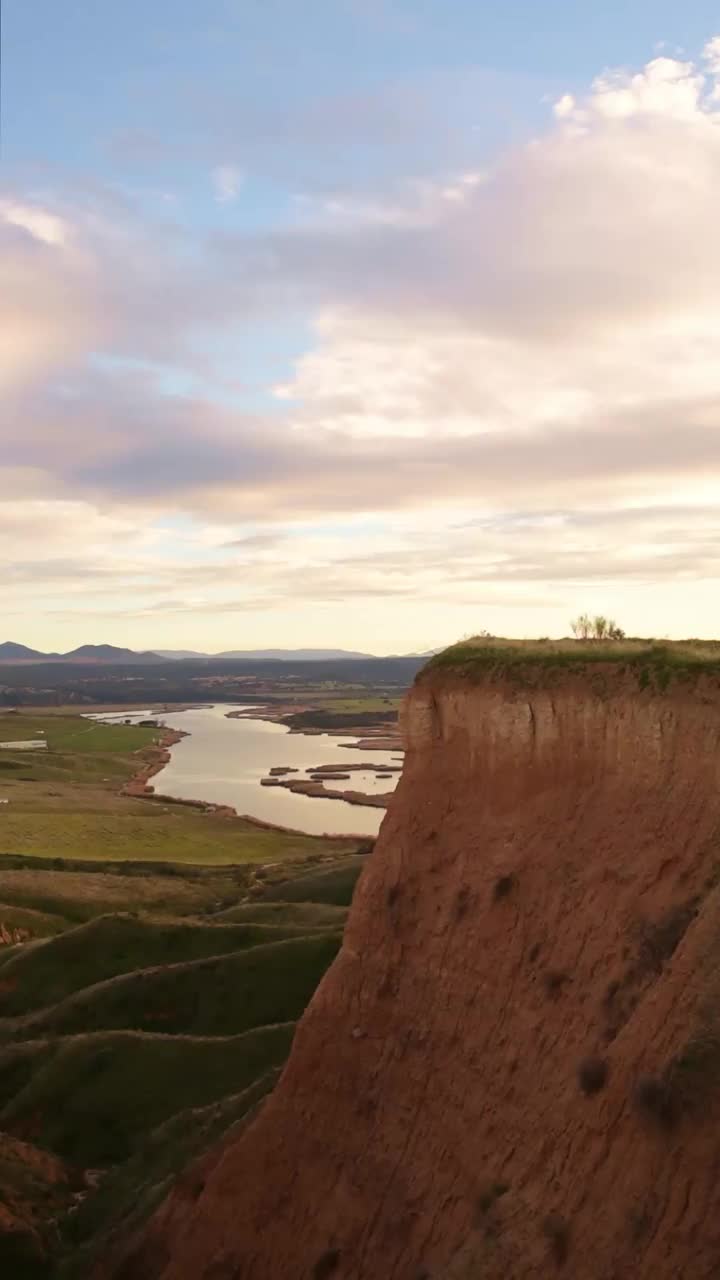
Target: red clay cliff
[[512, 1070]]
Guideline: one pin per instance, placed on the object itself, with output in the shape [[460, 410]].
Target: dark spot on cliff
[[692, 1076], [654, 1097], [326, 1265], [592, 1075], [393, 894], [557, 1233], [504, 886], [612, 990], [639, 1222], [534, 952], [462, 902], [490, 1196], [660, 939], [554, 981]]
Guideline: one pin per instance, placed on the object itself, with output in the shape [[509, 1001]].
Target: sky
[[358, 323]]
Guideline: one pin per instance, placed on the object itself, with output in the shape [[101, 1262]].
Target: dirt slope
[[512, 1069]]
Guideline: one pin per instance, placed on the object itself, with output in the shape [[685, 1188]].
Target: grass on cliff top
[[91, 1098], [655, 662]]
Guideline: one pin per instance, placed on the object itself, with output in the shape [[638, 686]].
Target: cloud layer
[[512, 396]]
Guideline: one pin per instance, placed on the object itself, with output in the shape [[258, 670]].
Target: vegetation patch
[[688, 1082], [489, 1197], [504, 886], [593, 1075], [557, 1234], [326, 1265], [654, 664]]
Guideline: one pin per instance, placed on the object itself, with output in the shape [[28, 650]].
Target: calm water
[[223, 760]]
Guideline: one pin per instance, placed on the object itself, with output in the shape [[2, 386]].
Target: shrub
[[489, 1196], [326, 1265], [504, 886], [661, 938], [554, 981], [393, 895], [462, 902], [557, 1233], [592, 1075], [654, 1096]]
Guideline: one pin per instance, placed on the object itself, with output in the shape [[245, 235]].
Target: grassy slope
[[307, 915], [92, 1098], [332, 885], [130, 1191], [220, 996], [39, 976]]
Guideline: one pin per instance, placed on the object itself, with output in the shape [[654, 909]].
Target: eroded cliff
[[513, 1067]]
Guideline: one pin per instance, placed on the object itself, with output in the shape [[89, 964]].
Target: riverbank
[[156, 757], [229, 750], [140, 787]]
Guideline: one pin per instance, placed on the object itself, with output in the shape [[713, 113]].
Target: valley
[[155, 951]]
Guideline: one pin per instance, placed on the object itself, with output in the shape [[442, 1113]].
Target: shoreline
[[138, 787]]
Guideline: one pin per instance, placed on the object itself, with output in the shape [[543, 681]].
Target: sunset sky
[[360, 323]]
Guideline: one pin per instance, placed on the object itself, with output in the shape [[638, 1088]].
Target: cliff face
[[513, 1067]]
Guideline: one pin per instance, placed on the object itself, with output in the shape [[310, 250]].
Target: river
[[222, 761]]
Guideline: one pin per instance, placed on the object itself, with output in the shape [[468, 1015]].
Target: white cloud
[[227, 181], [711, 55]]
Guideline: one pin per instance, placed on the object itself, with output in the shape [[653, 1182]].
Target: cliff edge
[[512, 1069]]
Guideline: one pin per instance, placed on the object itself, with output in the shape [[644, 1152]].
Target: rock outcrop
[[513, 1067]]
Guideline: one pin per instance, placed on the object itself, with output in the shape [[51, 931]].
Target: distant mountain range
[[267, 655], [108, 654], [111, 655]]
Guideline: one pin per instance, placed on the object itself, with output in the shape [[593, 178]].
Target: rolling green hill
[[150, 1012], [91, 1098]]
